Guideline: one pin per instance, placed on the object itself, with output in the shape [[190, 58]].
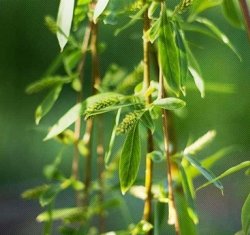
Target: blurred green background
[[26, 50]]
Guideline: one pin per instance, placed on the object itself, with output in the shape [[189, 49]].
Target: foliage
[[141, 100]]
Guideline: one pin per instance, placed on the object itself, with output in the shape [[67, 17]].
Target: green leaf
[[198, 80], [226, 173], [231, 10], [169, 103], [80, 12], [46, 83], [183, 59], [64, 21], [205, 172], [187, 225], [50, 194], [71, 61], [66, 120], [143, 227], [99, 8], [199, 6], [168, 54], [156, 156], [209, 161], [47, 103], [240, 233], [112, 139], [133, 20], [188, 192], [147, 121], [52, 171], [159, 214], [220, 36], [130, 159], [245, 216], [34, 193], [152, 9], [59, 214], [200, 143], [153, 33]]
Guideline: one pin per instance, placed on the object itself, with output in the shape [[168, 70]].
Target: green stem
[[146, 83]]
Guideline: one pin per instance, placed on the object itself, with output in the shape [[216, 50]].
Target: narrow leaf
[[200, 143], [47, 103], [226, 173], [64, 21], [153, 33], [147, 121], [99, 8], [34, 193], [218, 34], [202, 5], [59, 214], [133, 20], [245, 216], [152, 9], [205, 172], [112, 139], [46, 83], [209, 161], [130, 159], [170, 103], [168, 54], [66, 120], [232, 12], [188, 195], [49, 195], [183, 59], [187, 226], [198, 80]]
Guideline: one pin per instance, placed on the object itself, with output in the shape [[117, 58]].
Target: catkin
[[128, 122], [102, 104], [183, 5]]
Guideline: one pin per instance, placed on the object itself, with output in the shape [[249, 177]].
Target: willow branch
[[245, 11], [100, 161], [173, 215], [77, 131], [150, 145]]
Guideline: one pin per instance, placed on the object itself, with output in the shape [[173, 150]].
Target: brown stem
[[245, 11], [89, 125], [100, 161], [77, 132], [146, 83], [173, 215]]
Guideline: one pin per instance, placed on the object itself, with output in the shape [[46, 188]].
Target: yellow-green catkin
[[183, 5], [102, 104], [51, 24], [136, 5], [128, 122]]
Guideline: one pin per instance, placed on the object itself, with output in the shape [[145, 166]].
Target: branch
[[146, 83], [173, 215], [77, 132], [245, 11]]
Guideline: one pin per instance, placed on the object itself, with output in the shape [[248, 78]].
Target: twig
[[173, 215], [77, 132], [100, 161], [146, 83], [245, 11]]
